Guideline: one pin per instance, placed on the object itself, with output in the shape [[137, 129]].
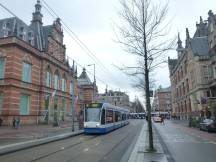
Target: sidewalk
[[183, 124], [27, 136], [139, 153]]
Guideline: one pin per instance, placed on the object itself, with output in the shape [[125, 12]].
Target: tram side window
[[119, 116], [123, 116], [103, 117], [109, 116], [116, 116]]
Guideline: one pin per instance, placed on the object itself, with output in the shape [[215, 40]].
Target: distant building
[[193, 73], [162, 100], [87, 89], [116, 98], [37, 84]]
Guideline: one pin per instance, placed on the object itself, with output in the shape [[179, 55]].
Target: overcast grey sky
[[92, 21]]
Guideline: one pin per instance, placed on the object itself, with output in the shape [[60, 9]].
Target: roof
[[168, 89], [13, 26], [172, 63], [35, 34], [199, 46], [83, 79], [47, 31]]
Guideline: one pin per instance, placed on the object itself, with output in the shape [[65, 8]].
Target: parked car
[[208, 125], [157, 119]]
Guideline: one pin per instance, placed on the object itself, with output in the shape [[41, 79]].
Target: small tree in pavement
[[143, 33]]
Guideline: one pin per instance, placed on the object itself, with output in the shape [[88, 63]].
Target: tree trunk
[[148, 105]]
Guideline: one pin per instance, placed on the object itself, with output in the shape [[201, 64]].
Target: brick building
[[192, 74], [162, 100], [37, 84]]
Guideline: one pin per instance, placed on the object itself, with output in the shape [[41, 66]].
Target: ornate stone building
[[37, 84], [87, 90], [192, 74], [116, 98]]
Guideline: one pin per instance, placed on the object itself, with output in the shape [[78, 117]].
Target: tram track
[[62, 149], [92, 148], [114, 147], [104, 157]]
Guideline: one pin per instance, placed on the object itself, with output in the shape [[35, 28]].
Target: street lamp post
[[72, 93], [93, 98]]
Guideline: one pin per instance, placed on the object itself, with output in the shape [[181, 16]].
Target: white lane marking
[[62, 148], [97, 143], [212, 142], [86, 149]]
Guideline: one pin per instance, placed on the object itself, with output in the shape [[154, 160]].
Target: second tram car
[[103, 117]]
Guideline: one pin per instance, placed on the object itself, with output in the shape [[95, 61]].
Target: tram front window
[[92, 115]]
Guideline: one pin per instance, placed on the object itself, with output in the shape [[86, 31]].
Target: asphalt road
[[186, 144], [115, 146]]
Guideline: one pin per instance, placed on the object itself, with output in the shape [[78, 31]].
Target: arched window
[[64, 83], [56, 80], [48, 77]]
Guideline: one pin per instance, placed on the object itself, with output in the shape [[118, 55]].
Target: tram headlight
[[97, 125]]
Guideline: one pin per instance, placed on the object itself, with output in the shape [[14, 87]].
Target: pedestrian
[[18, 123], [1, 121], [147, 118], [162, 120], [14, 122]]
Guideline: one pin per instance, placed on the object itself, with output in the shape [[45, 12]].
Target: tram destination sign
[[94, 105]]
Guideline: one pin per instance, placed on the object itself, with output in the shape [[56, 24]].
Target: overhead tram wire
[[4, 7], [9, 11], [79, 42], [73, 59], [77, 38], [47, 8], [100, 80]]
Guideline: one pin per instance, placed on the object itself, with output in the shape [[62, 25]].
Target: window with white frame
[[71, 88], [24, 104], [56, 81], [26, 73], [206, 73], [215, 72], [64, 84], [48, 77], [2, 67], [1, 103]]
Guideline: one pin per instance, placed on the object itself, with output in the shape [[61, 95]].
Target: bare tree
[[143, 33]]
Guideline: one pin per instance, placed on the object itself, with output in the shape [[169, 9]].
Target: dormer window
[[30, 38], [5, 33], [6, 30], [22, 33], [21, 36], [21, 29], [4, 26]]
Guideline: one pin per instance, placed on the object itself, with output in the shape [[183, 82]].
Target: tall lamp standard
[[93, 98]]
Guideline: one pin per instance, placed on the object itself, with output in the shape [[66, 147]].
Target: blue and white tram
[[104, 117]]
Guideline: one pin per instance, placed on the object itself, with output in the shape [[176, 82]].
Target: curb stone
[[32, 143]]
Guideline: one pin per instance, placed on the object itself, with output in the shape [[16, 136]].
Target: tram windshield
[[92, 115]]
